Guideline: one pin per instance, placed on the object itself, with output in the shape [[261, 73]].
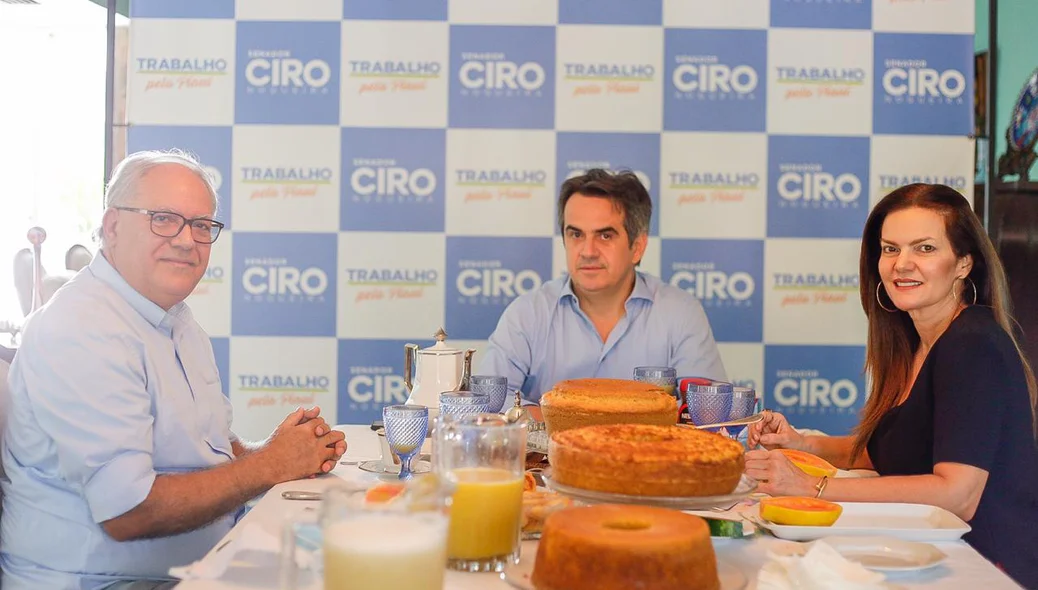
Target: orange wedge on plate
[[799, 511], [383, 492]]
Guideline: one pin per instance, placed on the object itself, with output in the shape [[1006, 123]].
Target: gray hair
[[126, 178]]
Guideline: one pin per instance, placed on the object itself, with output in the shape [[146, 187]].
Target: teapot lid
[[440, 347]]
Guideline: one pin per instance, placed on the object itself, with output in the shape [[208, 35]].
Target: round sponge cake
[[646, 460], [614, 547], [584, 402]]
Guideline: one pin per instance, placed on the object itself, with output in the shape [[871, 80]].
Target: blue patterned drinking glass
[[665, 377], [744, 402], [495, 387], [463, 403], [406, 427], [708, 402]]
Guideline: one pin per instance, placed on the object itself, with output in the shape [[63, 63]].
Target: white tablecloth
[[964, 569]]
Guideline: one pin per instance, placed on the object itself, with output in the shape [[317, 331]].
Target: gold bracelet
[[820, 486]]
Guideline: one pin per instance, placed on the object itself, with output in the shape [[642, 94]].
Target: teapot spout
[[410, 350], [466, 370]]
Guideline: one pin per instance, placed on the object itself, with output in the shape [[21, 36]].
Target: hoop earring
[[974, 290], [880, 301]]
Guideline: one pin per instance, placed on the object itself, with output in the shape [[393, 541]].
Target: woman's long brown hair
[[892, 339]]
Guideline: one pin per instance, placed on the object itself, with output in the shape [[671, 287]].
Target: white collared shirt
[[108, 390], [544, 337]]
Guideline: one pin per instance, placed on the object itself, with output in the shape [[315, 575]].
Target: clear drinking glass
[[482, 457], [406, 427], [665, 377], [460, 403], [371, 544], [495, 387]]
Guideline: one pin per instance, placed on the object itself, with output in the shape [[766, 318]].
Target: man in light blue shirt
[[603, 318], [118, 451]]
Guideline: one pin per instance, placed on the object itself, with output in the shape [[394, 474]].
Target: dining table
[[963, 568]]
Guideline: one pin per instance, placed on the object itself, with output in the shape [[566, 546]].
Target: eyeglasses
[[169, 225]]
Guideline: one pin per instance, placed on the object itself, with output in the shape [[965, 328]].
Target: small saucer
[[879, 553], [376, 466]]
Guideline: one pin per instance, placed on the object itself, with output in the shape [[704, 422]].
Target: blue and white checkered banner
[[388, 167]]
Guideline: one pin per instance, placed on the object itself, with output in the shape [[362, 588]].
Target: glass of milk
[[364, 544]]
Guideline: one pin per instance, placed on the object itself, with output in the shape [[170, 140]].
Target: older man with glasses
[[119, 453]]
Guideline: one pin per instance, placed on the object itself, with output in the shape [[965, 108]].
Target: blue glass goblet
[[665, 377], [744, 402], [463, 403], [495, 387], [406, 427], [708, 404]]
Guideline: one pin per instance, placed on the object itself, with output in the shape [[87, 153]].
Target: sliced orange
[[799, 511], [809, 464], [529, 482], [383, 492]]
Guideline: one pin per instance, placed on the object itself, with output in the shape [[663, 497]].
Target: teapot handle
[[466, 370], [410, 350]]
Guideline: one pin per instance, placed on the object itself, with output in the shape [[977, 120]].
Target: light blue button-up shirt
[[544, 337], [108, 390]]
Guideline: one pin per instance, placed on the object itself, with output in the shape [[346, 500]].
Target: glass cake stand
[[746, 486]]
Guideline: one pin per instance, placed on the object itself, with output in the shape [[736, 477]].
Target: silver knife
[[300, 495]]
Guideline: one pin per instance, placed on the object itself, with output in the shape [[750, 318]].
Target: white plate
[[880, 553], [376, 466], [745, 487], [518, 575], [909, 522]]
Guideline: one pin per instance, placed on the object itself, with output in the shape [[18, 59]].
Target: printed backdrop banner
[[388, 168]]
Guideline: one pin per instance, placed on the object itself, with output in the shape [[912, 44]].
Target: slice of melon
[[799, 511], [809, 464]]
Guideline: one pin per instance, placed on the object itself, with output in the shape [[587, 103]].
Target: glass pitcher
[[372, 540]]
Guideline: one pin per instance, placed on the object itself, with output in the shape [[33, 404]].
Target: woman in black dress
[[951, 416]]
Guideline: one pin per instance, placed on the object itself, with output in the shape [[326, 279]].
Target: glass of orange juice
[[483, 457]]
